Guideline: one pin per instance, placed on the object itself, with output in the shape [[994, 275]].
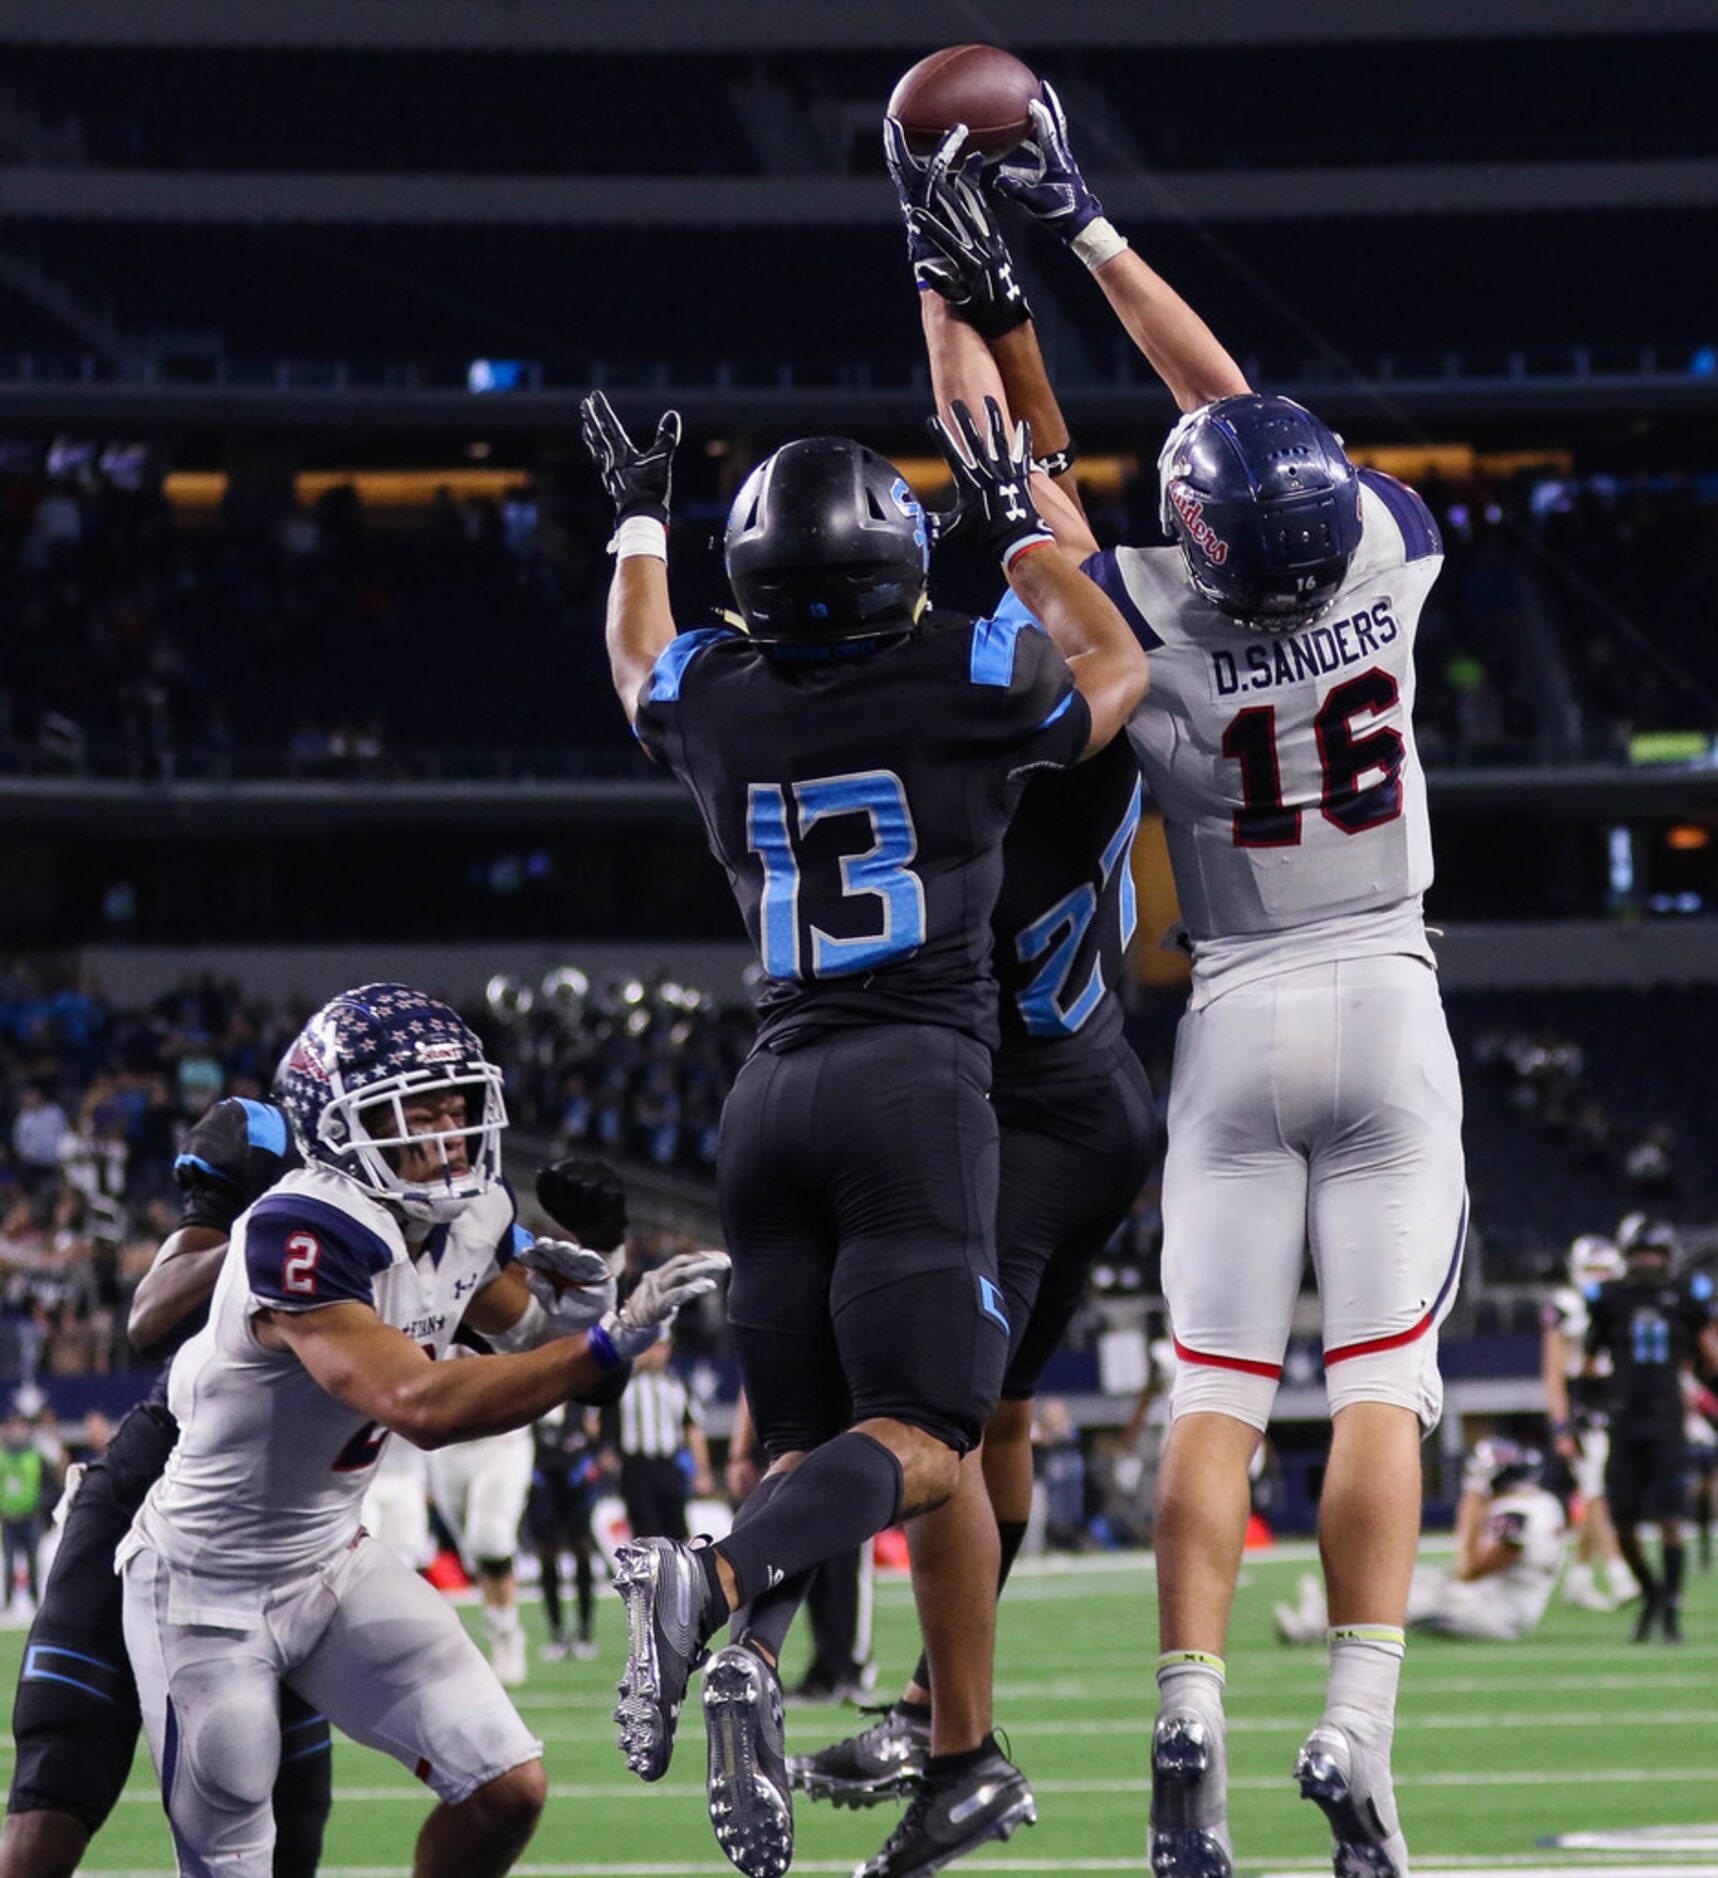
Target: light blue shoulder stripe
[[264, 1124], [670, 668], [994, 640]]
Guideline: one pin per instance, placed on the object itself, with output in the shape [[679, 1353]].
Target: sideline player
[[558, 1519], [856, 764], [1653, 1325], [75, 1715], [247, 1566], [480, 1489], [1509, 1550], [1574, 1405], [1316, 1103]]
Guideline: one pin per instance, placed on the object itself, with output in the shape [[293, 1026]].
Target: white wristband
[[640, 534], [1098, 242]]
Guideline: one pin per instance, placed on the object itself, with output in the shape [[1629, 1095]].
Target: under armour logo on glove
[[990, 470], [1010, 493]]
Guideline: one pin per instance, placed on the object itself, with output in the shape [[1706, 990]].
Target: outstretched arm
[[1044, 179], [639, 622]]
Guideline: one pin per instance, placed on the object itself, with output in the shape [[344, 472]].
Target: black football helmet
[[826, 542], [1506, 1464]]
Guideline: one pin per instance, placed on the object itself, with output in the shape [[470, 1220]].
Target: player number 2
[[298, 1268], [1346, 755], [880, 872]]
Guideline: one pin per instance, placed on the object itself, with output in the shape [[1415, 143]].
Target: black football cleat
[[751, 1808], [954, 1814], [668, 1620], [1670, 1620], [1189, 1835], [881, 1762], [1651, 1609]]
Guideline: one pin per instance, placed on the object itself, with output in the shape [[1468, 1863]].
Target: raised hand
[[638, 481], [573, 1283], [993, 479], [1043, 178], [963, 253]]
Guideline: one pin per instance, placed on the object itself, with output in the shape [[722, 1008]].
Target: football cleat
[[507, 1656], [881, 1762], [1189, 1835], [954, 1814], [751, 1807], [668, 1619], [1650, 1608], [1358, 1803], [1670, 1620]]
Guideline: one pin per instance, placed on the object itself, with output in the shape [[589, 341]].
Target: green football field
[[1500, 1748]]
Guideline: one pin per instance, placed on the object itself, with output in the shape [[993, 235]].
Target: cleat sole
[[1181, 1845], [752, 1819], [1359, 1853]]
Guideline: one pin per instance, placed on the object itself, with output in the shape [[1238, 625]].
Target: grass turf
[[1498, 1746]]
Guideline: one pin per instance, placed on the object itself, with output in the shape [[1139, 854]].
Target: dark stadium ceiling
[[592, 25]]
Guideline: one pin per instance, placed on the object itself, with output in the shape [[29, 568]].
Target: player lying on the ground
[[1509, 1550], [1316, 1104], [856, 761], [246, 1568]]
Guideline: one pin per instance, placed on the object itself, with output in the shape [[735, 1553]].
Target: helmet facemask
[[368, 1138]]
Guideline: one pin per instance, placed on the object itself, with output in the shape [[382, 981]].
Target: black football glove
[[638, 481], [963, 254], [585, 1198], [993, 479]]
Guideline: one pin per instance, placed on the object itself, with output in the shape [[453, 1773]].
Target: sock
[[551, 1593], [1012, 1534], [842, 1494], [501, 1620], [1360, 1698], [753, 1504], [769, 1618], [1675, 1564], [914, 1711], [952, 1766], [1192, 1679]]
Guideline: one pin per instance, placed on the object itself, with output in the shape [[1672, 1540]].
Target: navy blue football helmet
[[1265, 508], [826, 542], [348, 1073]]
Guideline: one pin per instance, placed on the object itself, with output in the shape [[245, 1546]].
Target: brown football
[[983, 87]]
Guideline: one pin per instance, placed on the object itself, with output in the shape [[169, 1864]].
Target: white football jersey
[[1567, 1311], [1530, 1519], [269, 1473], [1284, 763]]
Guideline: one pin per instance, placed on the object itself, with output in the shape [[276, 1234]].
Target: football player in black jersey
[[856, 761], [75, 1717], [1655, 1325]]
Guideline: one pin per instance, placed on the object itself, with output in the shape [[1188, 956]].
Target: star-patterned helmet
[[350, 1071]]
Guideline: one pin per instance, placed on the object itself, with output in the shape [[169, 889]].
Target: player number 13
[[776, 828]]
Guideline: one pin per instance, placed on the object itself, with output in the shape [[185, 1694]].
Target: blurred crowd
[[271, 637]]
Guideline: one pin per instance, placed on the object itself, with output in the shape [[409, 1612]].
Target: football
[[982, 87]]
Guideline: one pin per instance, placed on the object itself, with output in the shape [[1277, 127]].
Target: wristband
[[1098, 242], [601, 1347], [1016, 551], [1057, 462], [640, 534], [1559, 1428]]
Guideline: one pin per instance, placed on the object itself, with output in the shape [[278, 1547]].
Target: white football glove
[[631, 1330], [574, 1284]]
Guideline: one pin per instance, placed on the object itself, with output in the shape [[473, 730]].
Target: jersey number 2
[[880, 872], [1344, 755]]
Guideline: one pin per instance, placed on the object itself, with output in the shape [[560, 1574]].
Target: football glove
[[966, 257], [585, 1198], [993, 480], [573, 1283], [638, 481], [1042, 177], [630, 1331]]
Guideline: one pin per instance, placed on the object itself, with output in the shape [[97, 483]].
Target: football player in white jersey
[[480, 1489], [1574, 1405], [1509, 1550], [1316, 1105], [247, 1566]]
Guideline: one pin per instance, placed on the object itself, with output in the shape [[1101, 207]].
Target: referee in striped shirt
[[651, 1426]]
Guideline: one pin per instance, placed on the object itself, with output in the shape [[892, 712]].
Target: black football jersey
[[1651, 1328], [858, 804]]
